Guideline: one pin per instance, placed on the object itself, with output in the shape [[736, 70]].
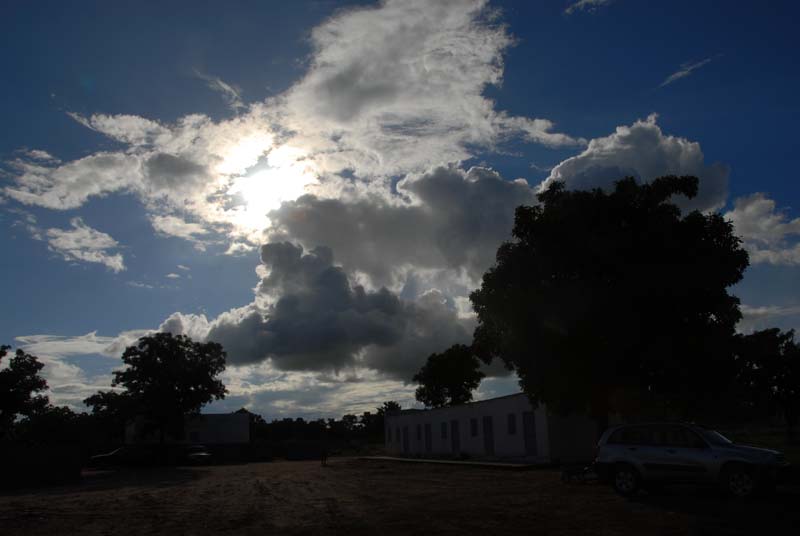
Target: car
[[197, 455], [128, 455], [633, 456]]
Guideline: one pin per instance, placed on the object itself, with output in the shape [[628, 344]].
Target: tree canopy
[[448, 378], [166, 378], [610, 301], [769, 369], [19, 384]]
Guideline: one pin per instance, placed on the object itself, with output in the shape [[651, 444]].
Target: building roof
[[473, 403]]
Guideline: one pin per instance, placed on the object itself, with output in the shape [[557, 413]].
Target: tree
[[448, 378], [19, 383], [769, 369], [168, 377], [111, 411], [608, 302]]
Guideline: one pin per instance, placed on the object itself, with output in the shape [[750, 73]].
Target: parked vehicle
[[125, 456], [197, 455], [633, 456]]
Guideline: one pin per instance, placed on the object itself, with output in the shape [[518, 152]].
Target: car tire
[[626, 480], [739, 480]]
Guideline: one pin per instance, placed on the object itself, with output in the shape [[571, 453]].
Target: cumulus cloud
[[769, 235], [390, 90], [82, 243], [446, 219], [643, 151]]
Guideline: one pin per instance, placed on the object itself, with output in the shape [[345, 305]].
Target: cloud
[[586, 5], [82, 243], [184, 268], [768, 316], [769, 235], [685, 70], [77, 367], [447, 219], [390, 90], [231, 94], [173, 276], [643, 151], [175, 226]]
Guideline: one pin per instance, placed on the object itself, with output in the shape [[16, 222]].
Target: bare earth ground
[[376, 498]]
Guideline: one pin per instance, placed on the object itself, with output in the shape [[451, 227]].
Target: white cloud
[[586, 5], [768, 316], [231, 94], [84, 244], [390, 90], [643, 151], [184, 268], [769, 235], [685, 70], [173, 276]]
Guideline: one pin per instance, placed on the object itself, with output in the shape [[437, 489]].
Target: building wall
[[508, 442]]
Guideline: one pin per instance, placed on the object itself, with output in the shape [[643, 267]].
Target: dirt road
[[369, 497]]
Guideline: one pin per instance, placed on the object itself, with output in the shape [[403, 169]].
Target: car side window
[[630, 435]]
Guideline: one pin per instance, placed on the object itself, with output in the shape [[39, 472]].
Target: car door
[[682, 455]]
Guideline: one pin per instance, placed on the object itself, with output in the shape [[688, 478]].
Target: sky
[[319, 185]]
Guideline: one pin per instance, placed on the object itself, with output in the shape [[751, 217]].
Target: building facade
[[504, 428]]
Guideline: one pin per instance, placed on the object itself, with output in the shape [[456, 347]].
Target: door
[[428, 439], [529, 433], [455, 438], [405, 439], [683, 456], [488, 435]]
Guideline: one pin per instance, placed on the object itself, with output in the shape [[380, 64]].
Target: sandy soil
[[377, 498]]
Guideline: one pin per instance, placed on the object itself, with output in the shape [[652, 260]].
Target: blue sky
[[144, 145]]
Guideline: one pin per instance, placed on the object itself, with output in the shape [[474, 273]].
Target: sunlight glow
[[285, 179]]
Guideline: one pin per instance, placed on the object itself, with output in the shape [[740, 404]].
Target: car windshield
[[715, 438]]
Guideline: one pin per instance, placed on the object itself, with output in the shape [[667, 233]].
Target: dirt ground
[[377, 498]]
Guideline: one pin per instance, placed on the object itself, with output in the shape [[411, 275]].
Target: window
[[512, 424], [444, 430], [631, 435], [473, 427], [419, 432]]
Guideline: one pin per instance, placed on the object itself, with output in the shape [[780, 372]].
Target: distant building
[[504, 428], [206, 429]]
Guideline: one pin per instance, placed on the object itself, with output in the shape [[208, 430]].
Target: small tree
[[168, 377], [448, 378], [19, 383], [769, 370]]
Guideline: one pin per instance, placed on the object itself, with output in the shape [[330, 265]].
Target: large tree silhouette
[[166, 378], [448, 378], [614, 301], [20, 384]]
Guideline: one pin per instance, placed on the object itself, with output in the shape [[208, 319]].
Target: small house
[[503, 428]]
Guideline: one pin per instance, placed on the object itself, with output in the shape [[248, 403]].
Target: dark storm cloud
[[456, 221], [319, 320]]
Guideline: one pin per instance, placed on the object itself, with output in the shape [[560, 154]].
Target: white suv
[[631, 456]]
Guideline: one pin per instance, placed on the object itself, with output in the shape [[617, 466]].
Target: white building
[[504, 428]]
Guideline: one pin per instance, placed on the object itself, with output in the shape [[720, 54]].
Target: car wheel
[[739, 481], [626, 480]]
